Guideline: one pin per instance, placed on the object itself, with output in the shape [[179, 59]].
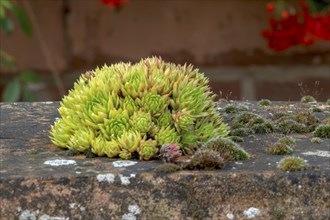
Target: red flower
[[270, 7], [113, 3], [302, 28]]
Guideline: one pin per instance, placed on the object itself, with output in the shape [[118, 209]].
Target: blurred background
[[46, 44]]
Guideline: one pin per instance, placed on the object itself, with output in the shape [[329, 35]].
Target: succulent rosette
[[127, 109]]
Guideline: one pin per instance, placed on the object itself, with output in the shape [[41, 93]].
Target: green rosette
[[167, 135], [112, 148], [141, 121], [82, 139], [153, 103], [129, 141], [147, 149], [99, 145], [61, 132], [115, 126]]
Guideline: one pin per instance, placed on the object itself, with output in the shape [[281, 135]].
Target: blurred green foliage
[[17, 88]]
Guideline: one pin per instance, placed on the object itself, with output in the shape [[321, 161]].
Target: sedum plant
[[131, 110]]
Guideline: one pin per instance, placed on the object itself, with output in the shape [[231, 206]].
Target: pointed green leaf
[[29, 76], [23, 20], [28, 95], [6, 24], [12, 91], [6, 4]]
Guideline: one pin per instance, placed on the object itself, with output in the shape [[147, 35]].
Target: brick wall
[[220, 37]]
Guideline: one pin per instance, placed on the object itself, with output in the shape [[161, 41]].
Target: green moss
[[236, 139], [251, 121], [235, 108], [317, 109], [316, 140], [229, 150], [241, 132], [287, 140], [327, 102], [167, 168], [292, 164], [262, 128], [205, 159], [279, 149], [277, 212], [290, 126], [322, 131], [308, 99], [264, 102], [299, 122], [326, 121]]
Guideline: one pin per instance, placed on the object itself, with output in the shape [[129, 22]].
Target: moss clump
[[308, 99], [287, 140], [130, 110], [251, 121], [205, 159], [317, 110], [316, 140], [282, 146], [243, 132], [229, 150], [326, 121], [235, 108], [327, 102], [299, 122], [167, 168], [290, 126], [322, 131], [236, 139], [264, 102], [279, 149], [292, 164]]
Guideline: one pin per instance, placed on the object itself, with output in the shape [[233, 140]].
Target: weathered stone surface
[[40, 182]]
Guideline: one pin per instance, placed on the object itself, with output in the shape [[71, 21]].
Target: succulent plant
[[127, 109], [169, 152]]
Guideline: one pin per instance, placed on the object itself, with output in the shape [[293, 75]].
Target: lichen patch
[[60, 162], [230, 215], [109, 177], [320, 153], [252, 212], [123, 163], [135, 209], [125, 179]]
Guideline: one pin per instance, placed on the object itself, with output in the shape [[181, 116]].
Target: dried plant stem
[[45, 49]]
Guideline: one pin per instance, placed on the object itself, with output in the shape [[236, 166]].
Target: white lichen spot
[[291, 105], [72, 205], [320, 153], [82, 208], [27, 215], [109, 177], [125, 179], [47, 217], [135, 209], [128, 216], [230, 215], [60, 162], [238, 163], [78, 172], [299, 187], [123, 163], [252, 212], [48, 102], [269, 164]]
